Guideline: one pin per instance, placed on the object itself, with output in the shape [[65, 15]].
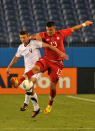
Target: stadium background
[[33, 15], [69, 112]]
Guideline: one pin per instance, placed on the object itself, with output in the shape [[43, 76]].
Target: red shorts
[[54, 68]]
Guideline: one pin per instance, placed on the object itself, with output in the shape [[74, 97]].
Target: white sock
[[35, 102], [27, 99]]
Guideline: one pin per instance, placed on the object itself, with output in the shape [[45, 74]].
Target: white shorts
[[37, 76]]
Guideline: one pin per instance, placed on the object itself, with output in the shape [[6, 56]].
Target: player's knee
[[54, 80], [36, 69]]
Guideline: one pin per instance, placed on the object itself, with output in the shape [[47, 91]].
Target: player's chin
[[50, 34]]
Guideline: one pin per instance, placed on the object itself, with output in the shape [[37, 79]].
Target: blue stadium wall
[[78, 57], [82, 58]]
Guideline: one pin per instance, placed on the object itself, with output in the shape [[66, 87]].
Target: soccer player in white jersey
[[29, 49], [31, 55]]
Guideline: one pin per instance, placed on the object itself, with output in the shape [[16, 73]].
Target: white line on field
[[80, 98], [48, 129]]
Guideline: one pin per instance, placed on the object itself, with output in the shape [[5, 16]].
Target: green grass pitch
[[68, 114]]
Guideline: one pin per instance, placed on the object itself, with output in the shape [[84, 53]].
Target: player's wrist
[[32, 37], [9, 67], [83, 25]]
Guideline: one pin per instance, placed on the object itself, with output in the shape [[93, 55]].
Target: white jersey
[[31, 53]]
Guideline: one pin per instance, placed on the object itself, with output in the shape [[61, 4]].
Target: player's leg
[[52, 93], [16, 82], [34, 98], [40, 66], [27, 75], [54, 76], [36, 106], [27, 96], [26, 102], [51, 97]]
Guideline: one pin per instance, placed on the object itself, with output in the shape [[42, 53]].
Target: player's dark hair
[[50, 24], [23, 32]]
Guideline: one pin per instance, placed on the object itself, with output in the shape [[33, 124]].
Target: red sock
[[52, 95], [29, 74], [21, 80]]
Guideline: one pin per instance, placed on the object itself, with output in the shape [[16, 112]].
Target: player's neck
[[51, 35], [25, 44]]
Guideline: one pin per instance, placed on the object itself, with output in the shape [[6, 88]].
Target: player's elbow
[[44, 45]]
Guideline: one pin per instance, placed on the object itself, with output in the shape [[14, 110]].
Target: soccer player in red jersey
[[52, 61]]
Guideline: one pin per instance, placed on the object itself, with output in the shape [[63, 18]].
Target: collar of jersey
[[27, 44]]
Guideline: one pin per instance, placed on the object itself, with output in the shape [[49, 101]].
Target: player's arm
[[85, 24], [14, 60], [63, 55], [35, 37]]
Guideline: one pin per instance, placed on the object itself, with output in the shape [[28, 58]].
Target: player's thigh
[[55, 72], [42, 63]]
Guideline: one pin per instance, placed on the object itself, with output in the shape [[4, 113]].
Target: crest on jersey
[[30, 50], [47, 39], [54, 43], [58, 38]]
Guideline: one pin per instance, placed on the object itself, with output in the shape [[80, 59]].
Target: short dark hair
[[23, 32], [50, 24]]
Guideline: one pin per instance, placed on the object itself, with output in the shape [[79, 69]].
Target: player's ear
[[46, 27]]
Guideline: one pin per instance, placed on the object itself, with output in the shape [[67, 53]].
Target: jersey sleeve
[[18, 53], [66, 32], [41, 34]]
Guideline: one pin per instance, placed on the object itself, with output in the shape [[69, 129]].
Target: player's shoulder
[[32, 42], [43, 34], [64, 30], [58, 32], [20, 46]]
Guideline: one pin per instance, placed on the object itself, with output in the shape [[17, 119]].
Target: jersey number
[[53, 43], [59, 72]]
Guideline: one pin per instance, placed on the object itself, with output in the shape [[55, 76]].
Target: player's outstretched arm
[[35, 37], [85, 24], [63, 55], [14, 60], [45, 45]]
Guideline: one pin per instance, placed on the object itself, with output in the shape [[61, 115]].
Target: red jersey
[[57, 41]]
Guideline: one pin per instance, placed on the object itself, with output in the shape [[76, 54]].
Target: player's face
[[50, 30], [24, 38]]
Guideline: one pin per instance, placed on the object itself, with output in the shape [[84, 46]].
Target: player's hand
[[35, 37], [38, 38], [88, 23], [32, 37], [8, 71], [65, 56], [14, 82]]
